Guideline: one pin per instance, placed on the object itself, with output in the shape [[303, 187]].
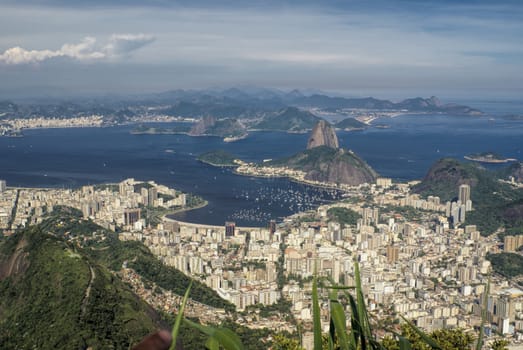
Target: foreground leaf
[[179, 317]]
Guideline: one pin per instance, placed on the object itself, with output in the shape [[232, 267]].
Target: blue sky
[[381, 48]]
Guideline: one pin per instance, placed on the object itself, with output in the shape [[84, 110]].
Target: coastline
[[180, 210], [218, 165], [296, 180], [490, 161]]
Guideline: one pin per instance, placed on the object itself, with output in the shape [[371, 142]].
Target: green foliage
[[179, 317], [62, 299], [65, 212], [253, 339], [283, 342], [289, 119], [219, 337], [280, 309], [194, 201], [351, 123], [109, 251], [507, 264], [495, 204], [328, 164], [409, 213], [113, 253], [218, 158], [311, 158], [445, 339], [499, 344], [344, 216]]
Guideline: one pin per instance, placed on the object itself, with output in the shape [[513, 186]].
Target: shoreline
[[218, 165], [490, 161], [181, 210], [296, 180]]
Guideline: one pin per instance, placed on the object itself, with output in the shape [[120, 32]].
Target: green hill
[[218, 158], [327, 164], [350, 124], [54, 297], [495, 204], [289, 119], [507, 264], [59, 288], [210, 126], [109, 251]]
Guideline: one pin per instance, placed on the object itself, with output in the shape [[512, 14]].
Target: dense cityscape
[[261, 175], [416, 260]]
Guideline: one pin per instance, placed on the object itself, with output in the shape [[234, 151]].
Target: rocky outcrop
[[202, 126], [343, 167], [327, 164], [16, 263], [227, 128], [323, 134]]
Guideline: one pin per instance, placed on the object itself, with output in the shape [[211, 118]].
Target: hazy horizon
[[387, 49]]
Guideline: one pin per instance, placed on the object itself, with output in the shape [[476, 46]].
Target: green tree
[[448, 339], [281, 342], [499, 344]]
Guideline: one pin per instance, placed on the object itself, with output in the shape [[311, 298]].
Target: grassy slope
[[44, 306], [111, 253]]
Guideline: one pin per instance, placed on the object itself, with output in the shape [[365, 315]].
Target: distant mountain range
[[220, 103], [289, 119]]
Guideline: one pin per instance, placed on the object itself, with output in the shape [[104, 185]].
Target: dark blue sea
[[404, 150]]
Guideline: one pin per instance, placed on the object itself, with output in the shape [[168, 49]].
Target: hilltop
[[350, 124], [324, 161], [496, 204], [54, 296], [323, 134], [219, 158], [227, 128], [326, 164], [290, 119], [60, 287]]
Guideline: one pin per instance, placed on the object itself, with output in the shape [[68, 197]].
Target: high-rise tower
[[464, 193]]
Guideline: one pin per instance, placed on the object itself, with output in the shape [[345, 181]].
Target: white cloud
[[86, 50]]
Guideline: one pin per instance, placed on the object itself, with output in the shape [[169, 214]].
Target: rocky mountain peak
[[323, 134], [201, 127]]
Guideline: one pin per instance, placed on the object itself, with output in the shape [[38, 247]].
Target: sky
[[388, 48]]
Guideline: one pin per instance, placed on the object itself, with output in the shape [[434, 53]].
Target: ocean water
[[404, 150]]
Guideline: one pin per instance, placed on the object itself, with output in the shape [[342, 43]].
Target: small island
[[488, 157], [351, 124], [218, 158]]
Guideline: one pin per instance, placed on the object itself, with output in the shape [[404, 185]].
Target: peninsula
[[488, 157], [322, 163]]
